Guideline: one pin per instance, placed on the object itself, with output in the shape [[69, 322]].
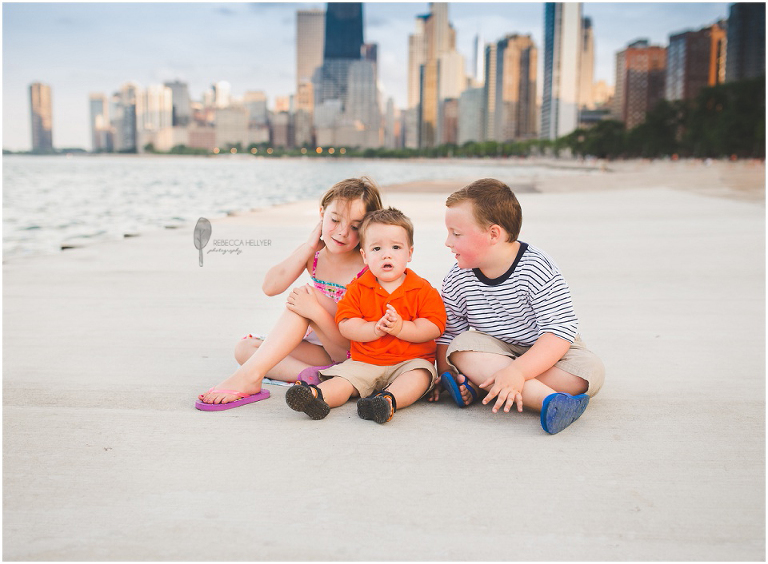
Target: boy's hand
[[434, 395], [507, 384], [302, 300]]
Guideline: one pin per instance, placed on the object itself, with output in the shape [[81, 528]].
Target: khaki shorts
[[578, 360], [370, 378]]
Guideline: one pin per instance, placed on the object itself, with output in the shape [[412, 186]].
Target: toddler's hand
[[508, 386], [393, 323]]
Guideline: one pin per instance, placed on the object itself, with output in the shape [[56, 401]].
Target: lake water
[[50, 202]]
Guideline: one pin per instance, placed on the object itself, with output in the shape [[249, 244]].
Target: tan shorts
[[578, 360], [370, 378]]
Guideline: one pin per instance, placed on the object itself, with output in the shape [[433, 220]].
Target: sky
[[85, 47]]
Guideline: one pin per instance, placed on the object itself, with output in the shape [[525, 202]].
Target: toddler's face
[[341, 220], [466, 239], [386, 251]]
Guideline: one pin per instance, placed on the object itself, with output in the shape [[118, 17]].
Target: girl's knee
[[245, 348]]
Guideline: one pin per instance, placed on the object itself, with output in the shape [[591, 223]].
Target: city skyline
[[79, 49]]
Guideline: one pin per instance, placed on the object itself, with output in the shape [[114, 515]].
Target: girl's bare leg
[[303, 356], [287, 334], [332, 349]]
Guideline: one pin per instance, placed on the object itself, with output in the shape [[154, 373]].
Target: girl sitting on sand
[[305, 336]]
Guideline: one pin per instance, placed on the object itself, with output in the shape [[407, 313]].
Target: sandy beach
[[106, 347]]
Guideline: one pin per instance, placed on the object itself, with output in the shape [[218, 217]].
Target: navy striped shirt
[[530, 299]]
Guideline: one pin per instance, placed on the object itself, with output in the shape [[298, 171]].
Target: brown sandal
[[379, 407], [307, 398]]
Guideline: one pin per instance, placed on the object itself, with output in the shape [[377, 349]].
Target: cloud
[[376, 21]]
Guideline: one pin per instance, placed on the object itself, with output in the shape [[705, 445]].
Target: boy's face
[[466, 239], [386, 251]]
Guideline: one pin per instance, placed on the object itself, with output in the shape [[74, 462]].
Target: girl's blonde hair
[[362, 188]]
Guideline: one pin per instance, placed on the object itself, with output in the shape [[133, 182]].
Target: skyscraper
[[515, 89], [41, 115], [122, 114], [222, 94], [586, 76], [489, 92], [345, 86], [343, 30], [471, 109], [746, 41], [640, 78], [182, 109], [695, 59], [478, 60], [342, 44], [562, 62], [439, 40], [417, 56], [310, 44], [101, 138]]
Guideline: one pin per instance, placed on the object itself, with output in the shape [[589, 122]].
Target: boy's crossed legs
[[580, 373], [479, 367]]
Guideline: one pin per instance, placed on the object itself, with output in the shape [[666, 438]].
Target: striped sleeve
[[550, 299], [455, 307]]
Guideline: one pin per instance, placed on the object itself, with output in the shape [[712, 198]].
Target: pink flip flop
[[244, 399]]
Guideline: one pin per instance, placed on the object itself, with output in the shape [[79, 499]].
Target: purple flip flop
[[244, 399], [311, 374]]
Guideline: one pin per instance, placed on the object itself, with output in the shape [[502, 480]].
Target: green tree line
[[722, 121]]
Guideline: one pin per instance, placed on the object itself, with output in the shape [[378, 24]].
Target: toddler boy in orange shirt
[[391, 317]]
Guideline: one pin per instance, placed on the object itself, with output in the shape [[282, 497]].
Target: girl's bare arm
[[285, 273]]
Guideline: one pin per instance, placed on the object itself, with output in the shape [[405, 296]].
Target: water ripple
[[50, 202]]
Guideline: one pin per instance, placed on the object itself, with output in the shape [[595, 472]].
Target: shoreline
[[734, 180]]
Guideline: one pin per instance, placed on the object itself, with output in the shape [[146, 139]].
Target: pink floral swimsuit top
[[330, 289]]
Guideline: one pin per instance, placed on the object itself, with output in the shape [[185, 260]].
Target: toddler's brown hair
[[389, 216]]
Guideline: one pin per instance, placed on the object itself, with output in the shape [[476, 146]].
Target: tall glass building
[[343, 44], [562, 61], [41, 116], [343, 30], [745, 56]]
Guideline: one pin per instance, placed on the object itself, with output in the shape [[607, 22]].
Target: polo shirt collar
[[411, 282]]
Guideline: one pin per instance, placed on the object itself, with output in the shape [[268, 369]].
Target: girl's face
[[341, 220], [466, 239]]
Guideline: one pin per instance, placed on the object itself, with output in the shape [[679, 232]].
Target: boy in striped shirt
[[524, 348]]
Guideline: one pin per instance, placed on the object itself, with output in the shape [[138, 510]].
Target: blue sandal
[[560, 410], [450, 384]]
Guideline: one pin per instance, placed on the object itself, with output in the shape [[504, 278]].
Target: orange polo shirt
[[415, 298]]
